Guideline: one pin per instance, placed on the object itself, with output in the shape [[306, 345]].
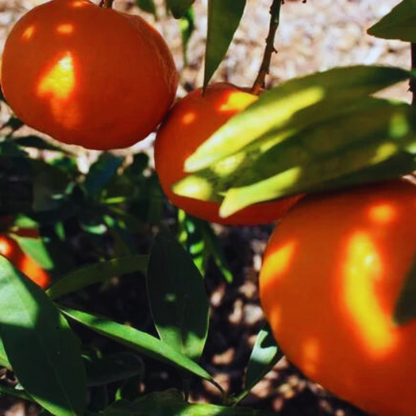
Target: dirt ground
[[312, 36]]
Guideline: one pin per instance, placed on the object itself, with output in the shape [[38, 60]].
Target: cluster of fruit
[[333, 268]]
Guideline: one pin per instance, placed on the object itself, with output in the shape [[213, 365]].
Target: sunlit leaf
[[223, 19], [98, 272], [179, 7], [177, 296], [4, 362], [400, 23], [283, 107], [29, 318], [137, 340]]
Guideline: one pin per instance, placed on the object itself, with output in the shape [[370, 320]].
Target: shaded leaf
[[400, 23], [101, 172], [28, 317], [177, 297], [147, 6], [37, 142], [187, 27], [405, 309], [96, 273], [264, 356], [137, 340], [179, 7], [172, 403], [283, 108], [112, 368], [223, 19]]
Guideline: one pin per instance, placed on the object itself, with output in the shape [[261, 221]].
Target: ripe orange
[[88, 75], [11, 250], [330, 280], [190, 122]]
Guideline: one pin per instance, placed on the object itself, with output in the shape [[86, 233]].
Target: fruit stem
[[106, 4], [413, 79], [260, 83]]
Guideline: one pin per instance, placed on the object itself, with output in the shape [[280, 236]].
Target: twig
[[107, 4], [259, 83], [413, 79]]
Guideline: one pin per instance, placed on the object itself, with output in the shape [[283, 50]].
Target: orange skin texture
[[11, 250], [331, 277], [189, 124], [87, 75]]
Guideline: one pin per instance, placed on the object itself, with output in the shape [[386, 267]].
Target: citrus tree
[[321, 154]]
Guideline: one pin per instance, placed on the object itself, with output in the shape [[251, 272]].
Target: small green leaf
[[179, 7], [97, 273], [400, 23], [101, 173], [177, 296], [4, 362], [35, 248], [36, 142], [223, 19], [137, 340], [187, 27], [264, 356], [171, 403], [112, 368], [298, 103], [405, 309], [29, 318], [147, 6]]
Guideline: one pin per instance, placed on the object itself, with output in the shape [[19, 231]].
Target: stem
[[260, 83], [7, 391], [106, 4], [413, 79]]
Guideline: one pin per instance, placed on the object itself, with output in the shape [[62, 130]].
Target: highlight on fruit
[[331, 277], [87, 75], [191, 121]]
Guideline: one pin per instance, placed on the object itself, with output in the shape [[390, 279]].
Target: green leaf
[[223, 19], [147, 6], [171, 403], [179, 7], [4, 362], [35, 248], [187, 27], [96, 273], [400, 23], [137, 340], [101, 173], [405, 309], [112, 368], [29, 318], [354, 148], [177, 297], [283, 108], [20, 394], [36, 142], [264, 356]]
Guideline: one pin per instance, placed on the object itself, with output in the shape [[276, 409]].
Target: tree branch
[[413, 79], [260, 83]]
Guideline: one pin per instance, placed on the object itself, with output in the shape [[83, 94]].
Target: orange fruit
[[329, 284], [87, 75], [11, 250], [190, 123]]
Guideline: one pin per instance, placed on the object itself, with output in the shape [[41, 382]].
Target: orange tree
[[320, 133]]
